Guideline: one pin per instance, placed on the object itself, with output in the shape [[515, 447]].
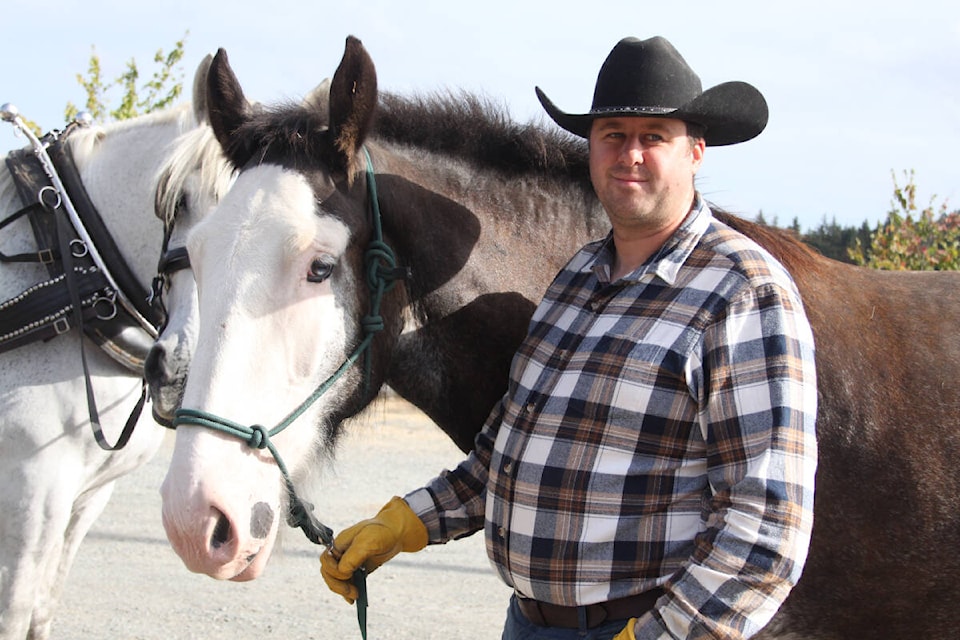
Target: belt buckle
[[593, 615]]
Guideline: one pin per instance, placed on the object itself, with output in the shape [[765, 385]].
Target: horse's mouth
[[164, 402], [162, 419], [249, 571]]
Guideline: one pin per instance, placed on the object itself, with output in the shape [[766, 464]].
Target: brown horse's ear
[[353, 98], [227, 109]]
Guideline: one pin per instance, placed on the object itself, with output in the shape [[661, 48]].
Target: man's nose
[[632, 152]]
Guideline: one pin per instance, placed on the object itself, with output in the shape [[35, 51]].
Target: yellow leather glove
[[627, 633], [369, 544]]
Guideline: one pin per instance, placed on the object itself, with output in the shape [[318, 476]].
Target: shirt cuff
[[421, 503]]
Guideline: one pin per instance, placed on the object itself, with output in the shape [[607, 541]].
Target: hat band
[[651, 110]]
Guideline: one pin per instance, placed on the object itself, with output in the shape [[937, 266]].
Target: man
[[650, 471]]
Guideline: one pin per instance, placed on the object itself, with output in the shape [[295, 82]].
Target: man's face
[[642, 169]]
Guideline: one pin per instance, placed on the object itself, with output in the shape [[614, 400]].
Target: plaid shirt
[[657, 431]]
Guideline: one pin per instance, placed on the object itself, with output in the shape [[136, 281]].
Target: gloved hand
[[369, 544], [627, 633]]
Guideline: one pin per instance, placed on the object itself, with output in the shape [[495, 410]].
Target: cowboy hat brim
[[730, 112]]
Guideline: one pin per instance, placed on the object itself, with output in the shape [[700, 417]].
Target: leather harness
[[44, 310], [90, 285]]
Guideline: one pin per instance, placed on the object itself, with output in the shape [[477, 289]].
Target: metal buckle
[[46, 256], [61, 326]]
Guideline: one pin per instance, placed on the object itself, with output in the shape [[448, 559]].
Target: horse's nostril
[[221, 534]]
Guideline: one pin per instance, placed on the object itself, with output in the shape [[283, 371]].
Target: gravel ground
[[127, 583]]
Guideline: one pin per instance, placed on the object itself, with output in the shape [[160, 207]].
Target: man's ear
[[697, 150]]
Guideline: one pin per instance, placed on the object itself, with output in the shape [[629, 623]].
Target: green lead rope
[[382, 274], [360, 582], [300, 513]]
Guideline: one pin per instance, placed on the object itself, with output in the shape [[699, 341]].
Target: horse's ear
[[319, 96], [200, 89], [227, 108], [353, 98]]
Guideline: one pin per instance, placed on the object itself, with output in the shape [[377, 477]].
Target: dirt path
[[128, 584]]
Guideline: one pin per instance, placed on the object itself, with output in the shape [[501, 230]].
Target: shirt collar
[[666, 262]]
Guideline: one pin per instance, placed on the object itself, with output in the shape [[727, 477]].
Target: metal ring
[[78, 248], [111, 309], [41, 196]]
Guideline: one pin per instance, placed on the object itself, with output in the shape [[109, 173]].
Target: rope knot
[[259, 437], [382, 266], [372, 324]]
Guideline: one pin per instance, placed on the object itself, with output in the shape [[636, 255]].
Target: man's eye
[[320, 270]]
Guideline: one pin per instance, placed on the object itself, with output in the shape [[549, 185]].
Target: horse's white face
[[273, 324]]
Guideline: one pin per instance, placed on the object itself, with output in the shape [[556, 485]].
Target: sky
[[860, 93]]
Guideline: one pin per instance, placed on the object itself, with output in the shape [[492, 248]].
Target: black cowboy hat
[[650, 78]]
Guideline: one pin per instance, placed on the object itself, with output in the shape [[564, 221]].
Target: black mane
[[461, 124], [478, 130], [288, 133]]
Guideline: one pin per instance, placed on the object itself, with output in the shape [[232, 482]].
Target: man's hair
[[695, 131]]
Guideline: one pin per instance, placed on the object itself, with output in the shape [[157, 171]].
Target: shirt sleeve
[[756, 388], [452, 504]]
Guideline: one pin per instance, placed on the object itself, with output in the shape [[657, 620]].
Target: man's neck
[[635, 243], [632, 250]]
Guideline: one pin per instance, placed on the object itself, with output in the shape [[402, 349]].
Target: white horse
[[56, 479]]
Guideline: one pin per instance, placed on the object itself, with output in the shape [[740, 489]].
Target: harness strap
[[43, 311], [63, 233], [170, 262], [174, 260], [40, 199], [131, 293], [43, 255]]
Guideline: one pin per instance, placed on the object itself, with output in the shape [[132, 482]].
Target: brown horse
[[483, 212]]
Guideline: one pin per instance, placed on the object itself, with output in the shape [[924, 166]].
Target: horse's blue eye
[[320, 270]]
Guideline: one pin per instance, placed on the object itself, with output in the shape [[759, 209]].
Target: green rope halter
[[382, 273]]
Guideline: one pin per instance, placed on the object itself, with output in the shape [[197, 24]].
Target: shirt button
[[528, 407], [502, 532], [508, 468]]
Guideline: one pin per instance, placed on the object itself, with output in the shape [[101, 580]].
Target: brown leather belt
[[545, 614]]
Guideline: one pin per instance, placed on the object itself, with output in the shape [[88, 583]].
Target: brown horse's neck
[[482, 249]]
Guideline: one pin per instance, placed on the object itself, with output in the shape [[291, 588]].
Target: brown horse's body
[[887, 507], [485, 212]]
